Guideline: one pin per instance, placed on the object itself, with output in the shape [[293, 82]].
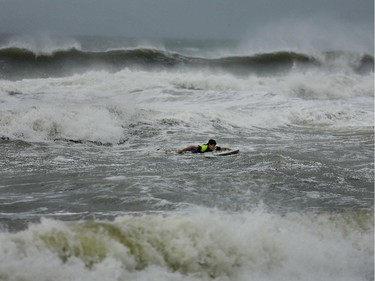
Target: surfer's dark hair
[[211, 141]]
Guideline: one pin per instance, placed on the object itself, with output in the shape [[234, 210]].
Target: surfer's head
[[211, 144]]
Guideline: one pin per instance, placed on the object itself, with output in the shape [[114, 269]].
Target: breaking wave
[[103, 108], [24, 63], [199, 246]]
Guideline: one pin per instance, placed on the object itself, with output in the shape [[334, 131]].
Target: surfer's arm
[[188, 148]]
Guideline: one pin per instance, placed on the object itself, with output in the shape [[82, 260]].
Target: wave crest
[[21, 62]]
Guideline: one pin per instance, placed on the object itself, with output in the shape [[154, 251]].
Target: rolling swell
[[22, 63], [15, 62]]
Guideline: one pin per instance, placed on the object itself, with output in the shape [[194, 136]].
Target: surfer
[[208, 147]]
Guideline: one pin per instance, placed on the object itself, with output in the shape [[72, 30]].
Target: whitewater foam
[[201, 245], [103, 107]]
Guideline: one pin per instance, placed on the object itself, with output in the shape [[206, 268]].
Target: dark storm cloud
[[175, 18]]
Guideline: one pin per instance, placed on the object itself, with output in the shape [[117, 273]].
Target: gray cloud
[[179, 18]]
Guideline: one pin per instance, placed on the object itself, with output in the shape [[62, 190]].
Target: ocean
[[91, 186]]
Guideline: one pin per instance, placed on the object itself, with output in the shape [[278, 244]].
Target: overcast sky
[[237, 19]]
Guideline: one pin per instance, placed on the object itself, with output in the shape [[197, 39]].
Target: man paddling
[[208, 147]]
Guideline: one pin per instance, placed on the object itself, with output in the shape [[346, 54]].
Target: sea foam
[[110, 108], [201, 245]]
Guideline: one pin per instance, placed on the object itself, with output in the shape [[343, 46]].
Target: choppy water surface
[[92, 187]]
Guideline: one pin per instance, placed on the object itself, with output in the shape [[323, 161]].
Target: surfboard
[[223, 153]]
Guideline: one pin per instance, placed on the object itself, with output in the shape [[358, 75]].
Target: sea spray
[[17, 63]]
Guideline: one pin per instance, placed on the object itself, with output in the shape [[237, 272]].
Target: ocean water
[[91, 187]]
